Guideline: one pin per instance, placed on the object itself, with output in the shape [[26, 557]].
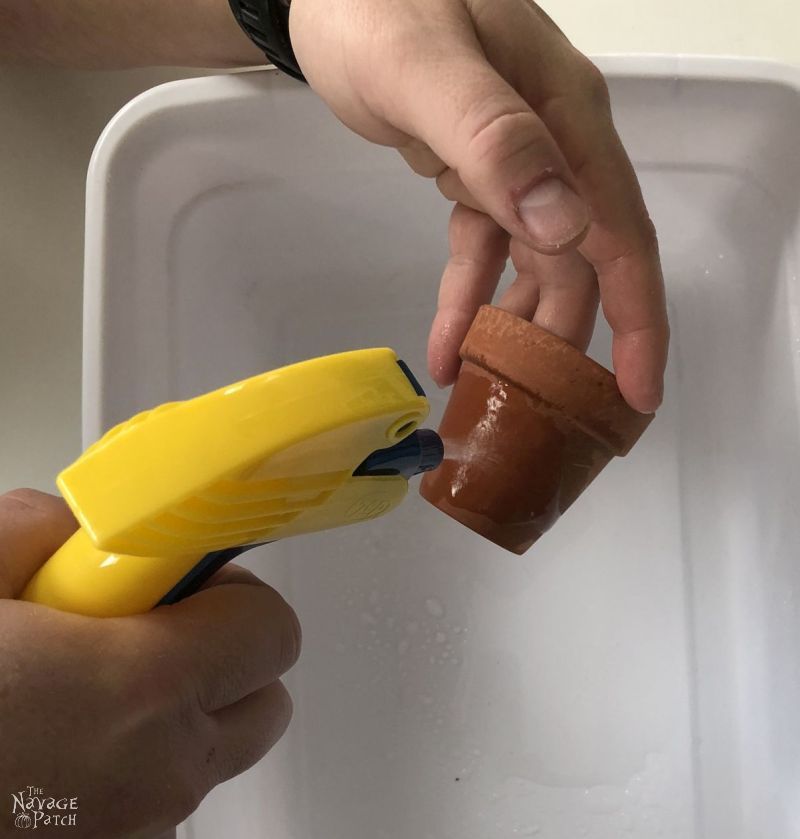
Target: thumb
[[452, 99], [33, 525]]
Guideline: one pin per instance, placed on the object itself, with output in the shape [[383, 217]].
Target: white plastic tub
[[638, 672]]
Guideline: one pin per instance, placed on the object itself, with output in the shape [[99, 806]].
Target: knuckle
[[236, 757], [29, 500], [168, 678], [271, 713], [284, 624], [593, 84], [424, 163], [218, 765], [283, 706], [172, 740], [449, 185], [191, 761], [186, 793], [504, 136], [187, 718], [148, 676], [217, 682], [647, 234], [641, 244], [415, 152], [291, 641]]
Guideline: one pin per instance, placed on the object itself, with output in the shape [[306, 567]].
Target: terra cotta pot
[[530, 423]]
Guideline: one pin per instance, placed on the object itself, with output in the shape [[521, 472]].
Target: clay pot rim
[[564, 381]]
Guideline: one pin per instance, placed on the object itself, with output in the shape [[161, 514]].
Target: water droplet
[[434, 607], [402, 646], [604, 799], [440, 637]]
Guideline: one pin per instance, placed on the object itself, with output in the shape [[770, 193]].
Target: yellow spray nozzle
[[166, 497]]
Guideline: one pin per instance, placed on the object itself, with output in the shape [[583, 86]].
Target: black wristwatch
[[266, 23]]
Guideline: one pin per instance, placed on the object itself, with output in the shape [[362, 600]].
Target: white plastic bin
[[638, 672]]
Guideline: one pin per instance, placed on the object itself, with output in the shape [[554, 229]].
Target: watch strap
[[266, 23]]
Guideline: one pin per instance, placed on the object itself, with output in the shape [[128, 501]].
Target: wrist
[[218, 40], [266, 24]]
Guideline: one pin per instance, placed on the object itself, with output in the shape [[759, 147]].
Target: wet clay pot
[[530, 423]]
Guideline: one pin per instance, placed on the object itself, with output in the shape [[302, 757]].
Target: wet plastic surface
[[635, 674]]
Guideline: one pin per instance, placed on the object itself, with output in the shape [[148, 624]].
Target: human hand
[[490, 98], [137, 717]]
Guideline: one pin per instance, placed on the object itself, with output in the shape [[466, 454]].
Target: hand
[[138, 717], [490, 98]]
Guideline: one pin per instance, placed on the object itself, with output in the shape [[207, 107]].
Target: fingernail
[[650, 402], [553, 214]]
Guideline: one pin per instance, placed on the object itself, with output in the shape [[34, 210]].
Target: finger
[[224, 642], [558, 293], [453, 189], [422, 160], [33, 525], [571, 97], [621, 243], [478, 253], [248, 729], [452, 99]]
